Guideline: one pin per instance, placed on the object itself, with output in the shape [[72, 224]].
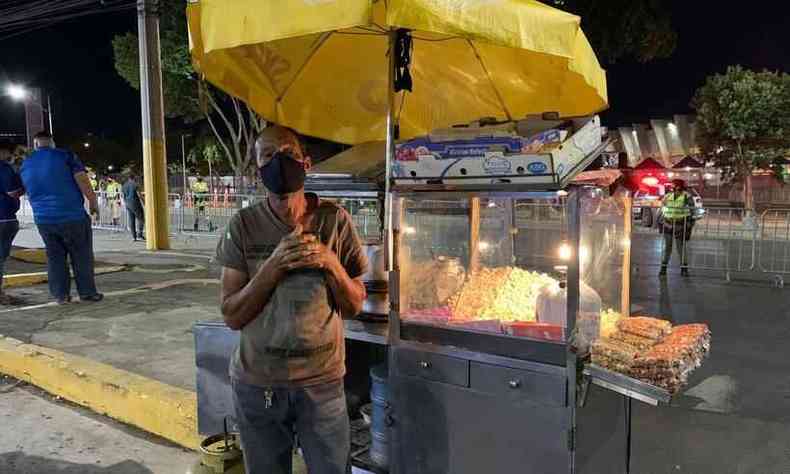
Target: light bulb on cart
[[565, 252]]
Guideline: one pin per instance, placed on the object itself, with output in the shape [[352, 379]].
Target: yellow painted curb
[[30, 255], [158, 408], [28, 279]]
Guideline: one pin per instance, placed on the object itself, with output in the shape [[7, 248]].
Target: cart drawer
[[518, 384], [434, 367]]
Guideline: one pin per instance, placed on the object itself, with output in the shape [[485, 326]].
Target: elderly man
[[291, 268], [56, 185]]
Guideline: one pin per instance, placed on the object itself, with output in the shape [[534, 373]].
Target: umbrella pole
[[390, 153]]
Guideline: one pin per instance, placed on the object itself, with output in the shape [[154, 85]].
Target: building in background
[[666, 141]]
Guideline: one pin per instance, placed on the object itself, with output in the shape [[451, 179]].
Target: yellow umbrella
[[321, 66]]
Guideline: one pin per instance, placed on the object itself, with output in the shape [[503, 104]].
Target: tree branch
[[218, 109], [242, 124], [219, 137]]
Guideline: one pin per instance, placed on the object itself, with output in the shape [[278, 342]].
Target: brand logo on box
[[497, 165], [537, 167]]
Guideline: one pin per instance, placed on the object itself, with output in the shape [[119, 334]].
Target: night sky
[[74, 60]]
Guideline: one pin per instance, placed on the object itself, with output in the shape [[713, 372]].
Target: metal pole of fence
[[787, 242], [774, 243]]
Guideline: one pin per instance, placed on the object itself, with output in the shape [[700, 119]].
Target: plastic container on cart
[[535, 330], [552, 308]]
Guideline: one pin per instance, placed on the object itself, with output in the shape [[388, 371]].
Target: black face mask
[[283, 174]]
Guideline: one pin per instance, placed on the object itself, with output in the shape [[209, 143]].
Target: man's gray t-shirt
[[300, 314]]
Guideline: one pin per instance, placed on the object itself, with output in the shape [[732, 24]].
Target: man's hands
[[298, 251]]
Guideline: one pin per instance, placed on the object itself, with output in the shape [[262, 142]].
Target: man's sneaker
[[95, 298], [684, 272], [62, 301], [663, 271]]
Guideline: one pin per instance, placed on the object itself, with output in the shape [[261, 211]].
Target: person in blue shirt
[[57, 186], [10, 190]]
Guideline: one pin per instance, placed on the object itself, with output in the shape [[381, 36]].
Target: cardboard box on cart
[[484, 156]]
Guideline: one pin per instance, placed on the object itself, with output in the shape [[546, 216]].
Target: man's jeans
[[269, 418], [136, 223], [69, 241], [8, 230]]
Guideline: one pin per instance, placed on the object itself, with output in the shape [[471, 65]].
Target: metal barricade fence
[[114, 216], [774, 243], [722, 239], [368, 226], [210, 213], [112, 212]]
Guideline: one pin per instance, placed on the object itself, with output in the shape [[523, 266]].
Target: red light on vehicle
[[650, 180]]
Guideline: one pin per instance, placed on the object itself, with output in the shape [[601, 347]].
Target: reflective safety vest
[[94, 184], [200, 187], [676, 206], [113, 190]]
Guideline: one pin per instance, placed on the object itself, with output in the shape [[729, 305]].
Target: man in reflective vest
[[200, 195], [676, 224]]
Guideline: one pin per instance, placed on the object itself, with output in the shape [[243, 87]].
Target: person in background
[[94, 181], [676, 224], [101, 194], [57, 186], [134, 207], [200, 193], [291, 268], [10, 190], [114, 197]]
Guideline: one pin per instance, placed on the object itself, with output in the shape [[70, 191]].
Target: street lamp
[[86, 145], [16, 92], [22, 94]]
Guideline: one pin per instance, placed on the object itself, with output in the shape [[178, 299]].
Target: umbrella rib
[[298, 74], [490, 79]]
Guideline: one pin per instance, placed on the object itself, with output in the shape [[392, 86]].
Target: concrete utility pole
[[154, 152]]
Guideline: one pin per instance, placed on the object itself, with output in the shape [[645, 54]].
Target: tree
[[743, 120], [207, 150], [620, 29], [234, 125]]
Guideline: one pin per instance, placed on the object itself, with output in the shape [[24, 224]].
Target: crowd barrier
[[727, 240]]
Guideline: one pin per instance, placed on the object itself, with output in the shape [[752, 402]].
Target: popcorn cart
[[501, 284], [474, 355]]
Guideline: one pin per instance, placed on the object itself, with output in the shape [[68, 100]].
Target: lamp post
[[22, 94], [184, 161]]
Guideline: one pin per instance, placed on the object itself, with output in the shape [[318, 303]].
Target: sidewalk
[[144, 323], [733, 419], [44, 435]]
